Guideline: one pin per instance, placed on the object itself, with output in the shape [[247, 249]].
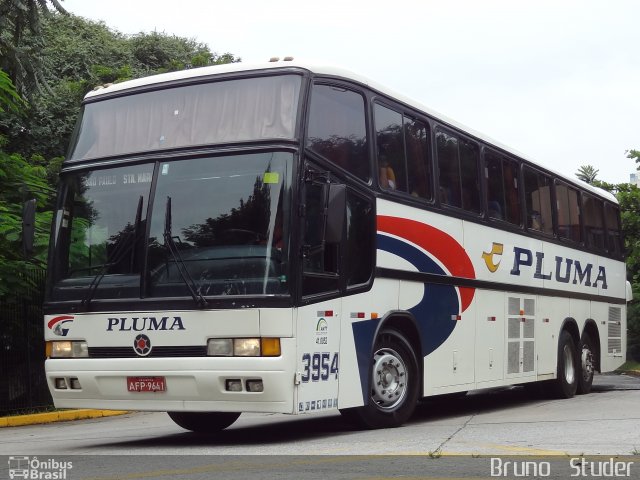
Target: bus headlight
[[220, 347], [68, 349], [246, 347], [243, 347]]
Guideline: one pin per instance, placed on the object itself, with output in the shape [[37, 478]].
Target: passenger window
[[403, 160], [337, 128], [503, 201], [593, 211], [568, 212], [458, 183], [469, 159], [537, 192], [612, 219], [418, 163], [390, 144]]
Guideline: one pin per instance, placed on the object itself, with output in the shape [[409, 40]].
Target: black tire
[[568, 371], [395, 378], [203, 422], [587, 364]]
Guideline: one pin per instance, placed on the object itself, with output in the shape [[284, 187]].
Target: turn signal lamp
[[270, 347]]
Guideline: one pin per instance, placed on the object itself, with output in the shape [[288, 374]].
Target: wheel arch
[[570, 325], [591, 329], [405, 323]]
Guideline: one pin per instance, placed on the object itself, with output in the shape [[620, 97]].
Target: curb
[[61, 416]]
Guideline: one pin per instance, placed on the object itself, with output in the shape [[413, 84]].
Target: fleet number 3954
[[319, 366]]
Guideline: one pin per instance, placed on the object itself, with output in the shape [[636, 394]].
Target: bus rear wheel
[[566, 383], [587, 364], [204, 422], [394, 387]]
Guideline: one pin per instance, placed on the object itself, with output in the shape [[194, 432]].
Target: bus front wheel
[[394, 388], [204, 422]]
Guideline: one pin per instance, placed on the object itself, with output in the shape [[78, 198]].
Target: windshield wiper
[[201, 302], [122, 249]]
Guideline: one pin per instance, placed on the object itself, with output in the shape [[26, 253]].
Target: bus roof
[[329, 70]]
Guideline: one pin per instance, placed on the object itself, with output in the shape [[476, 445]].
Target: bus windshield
[[260, 108], [228, 223]]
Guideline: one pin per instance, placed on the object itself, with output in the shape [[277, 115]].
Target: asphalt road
[[496, 422]]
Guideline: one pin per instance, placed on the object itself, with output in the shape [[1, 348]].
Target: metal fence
[[22, 381]]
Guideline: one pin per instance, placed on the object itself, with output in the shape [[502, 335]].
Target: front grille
[[128, 352]]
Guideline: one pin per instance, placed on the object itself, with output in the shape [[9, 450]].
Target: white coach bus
[[294, 238]]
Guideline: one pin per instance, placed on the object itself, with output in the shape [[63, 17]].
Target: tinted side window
[[390, 143], [537, 192], [568, 212], [612, 219], [418, 162], [503, 201], [403, 160], [337, 128], [458, 183], [593, 211], [469, 159], [449, 169], [360, 234]]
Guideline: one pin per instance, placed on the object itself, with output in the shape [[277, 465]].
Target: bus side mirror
[[28, 226], [336, 210]]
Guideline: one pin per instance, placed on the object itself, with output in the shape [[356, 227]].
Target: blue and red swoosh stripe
[[409, 240], [439, 244]]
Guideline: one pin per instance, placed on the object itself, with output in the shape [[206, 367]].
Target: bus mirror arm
[[336, 209], [28, 226]]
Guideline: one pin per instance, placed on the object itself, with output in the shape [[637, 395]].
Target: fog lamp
[[255, 386], [60, 383], [233, 385]]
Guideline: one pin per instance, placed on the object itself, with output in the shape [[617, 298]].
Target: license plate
[[146, 384]]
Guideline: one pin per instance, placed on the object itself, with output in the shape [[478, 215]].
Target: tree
[[629, 198], [21, 42], [19, 181], [635, 155], [587, 173]]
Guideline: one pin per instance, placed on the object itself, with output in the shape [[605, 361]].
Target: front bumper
[[192, 384]]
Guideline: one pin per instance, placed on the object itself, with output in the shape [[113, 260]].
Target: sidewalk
[[58, 416]]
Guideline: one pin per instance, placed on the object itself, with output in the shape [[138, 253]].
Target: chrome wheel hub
[[587, 364], [389, 379]]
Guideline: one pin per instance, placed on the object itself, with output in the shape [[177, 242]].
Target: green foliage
[[9, 98], [629, 198], [635, 155], [587, 173], [21, 42], [20, 181]]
